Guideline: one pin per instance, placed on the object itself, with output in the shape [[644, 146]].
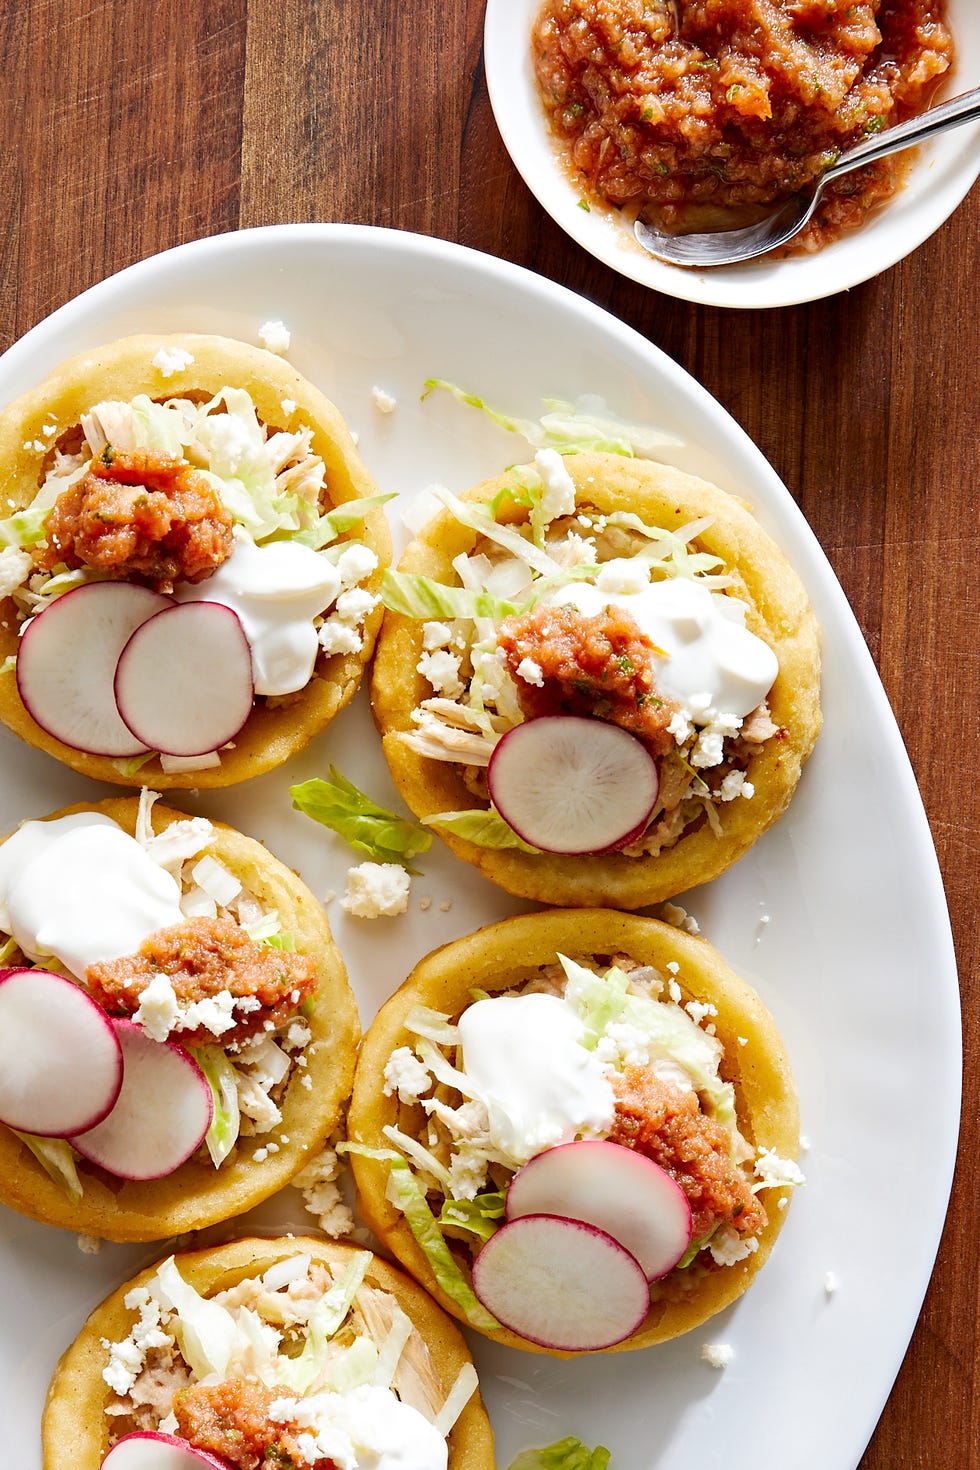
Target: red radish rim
[[592, 1230], [642, 1166], [127, 662], [170, 1441], [99, 1017], [26, 678], [508, 750], [80, 1141]]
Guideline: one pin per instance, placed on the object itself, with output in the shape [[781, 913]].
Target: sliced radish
[[184, 680], [161, 1116], [62, 1064], [67, 660], [615, 1188], [568, 784], [150, 1450], [561, 1283]]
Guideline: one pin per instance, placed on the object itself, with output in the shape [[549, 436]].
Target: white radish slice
[[66, 664], [62, 1065], [568, 784], [161, 1115], [561, 1283], [615, 1188], [184, 680], [151, 1450]]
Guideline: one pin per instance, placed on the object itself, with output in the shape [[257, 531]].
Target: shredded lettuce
[[484, 828], [420, 597], [345, 517], [409, 1198], [57, 1158], [477, 1216], [326, 1318], [666, 1028], [283, 941], [434, 1025], [674, 559], [352, 1368], [598, 1001], [367, 827], [564, 1454], [24, 528], [566, 428], [206, 1332], [479, 518], [132, 765], [222, 1078]]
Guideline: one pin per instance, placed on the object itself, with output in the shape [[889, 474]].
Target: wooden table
[[129, 128]]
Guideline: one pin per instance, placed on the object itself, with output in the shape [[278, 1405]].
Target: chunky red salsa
[[700, 111]]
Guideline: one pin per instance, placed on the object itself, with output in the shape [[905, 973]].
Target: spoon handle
[[964, 108]]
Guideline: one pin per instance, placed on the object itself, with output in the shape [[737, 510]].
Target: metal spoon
[[728, 247]]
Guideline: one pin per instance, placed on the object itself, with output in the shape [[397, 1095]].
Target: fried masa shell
[[778, 612], [122, 369], [197, 1194], [75, 1428], [503, 956]]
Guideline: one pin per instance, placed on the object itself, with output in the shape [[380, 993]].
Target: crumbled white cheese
[[831, 1283], [89, 1245], [275, 337], [383, 401], [406, 1075], [727, 1247], [299, 1034], [288, 406], [159, 1009], [441, 668], [214, 1013], [623, 574], [709, 748], [336, 636], [354, 605], [697, 1010], [557, 485], [467, 1173], [15, 568], [376, 890], [318, 1183], [734, 785], [717, 1354], [355, 563], [170, 360], [531, 672], [126, 1358], [672, 913], [774, 1171], [435, 635]]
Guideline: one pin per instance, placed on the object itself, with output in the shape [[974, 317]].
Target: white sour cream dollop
[[85, 893], [276, 589], [367, 1428], [524, 1058], [707, 649]]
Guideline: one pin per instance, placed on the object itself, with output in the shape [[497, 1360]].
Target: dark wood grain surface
[[128, 128]]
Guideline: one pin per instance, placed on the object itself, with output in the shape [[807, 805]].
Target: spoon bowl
[[704, 249]]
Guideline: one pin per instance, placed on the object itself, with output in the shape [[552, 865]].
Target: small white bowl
[[940, 178]]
